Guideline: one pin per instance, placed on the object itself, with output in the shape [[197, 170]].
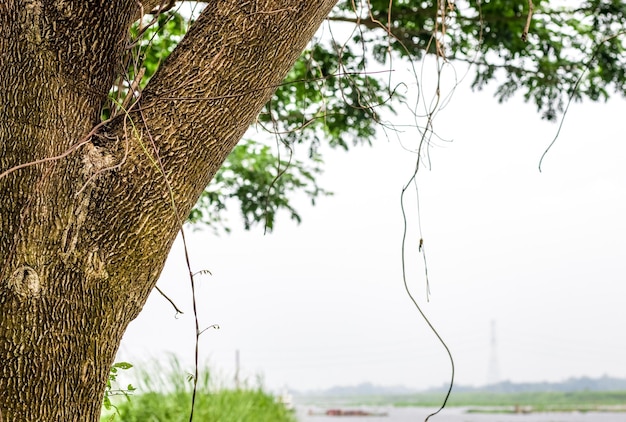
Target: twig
[[134, 88], [578, 81], [178, 311], [528, 20], [214, 326]]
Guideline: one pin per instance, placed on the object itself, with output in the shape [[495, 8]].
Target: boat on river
[[347, 412]]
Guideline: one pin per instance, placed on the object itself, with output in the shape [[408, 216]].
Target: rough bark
[[83, 238]]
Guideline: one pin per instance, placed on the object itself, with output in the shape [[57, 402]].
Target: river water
[[418, 414]]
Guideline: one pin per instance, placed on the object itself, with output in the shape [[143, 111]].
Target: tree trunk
[[85, 231]]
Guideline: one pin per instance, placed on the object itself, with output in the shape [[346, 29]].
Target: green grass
[[164, 395], [221, 406]]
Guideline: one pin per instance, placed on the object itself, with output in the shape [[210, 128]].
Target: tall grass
[[164, 395]]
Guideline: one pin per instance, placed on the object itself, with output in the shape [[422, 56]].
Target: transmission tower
[[493, 373]]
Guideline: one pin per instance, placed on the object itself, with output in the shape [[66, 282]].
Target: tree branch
[[528, 20], [190, 116], [153, 7]]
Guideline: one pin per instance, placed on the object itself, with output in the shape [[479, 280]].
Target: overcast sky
[[322, 303]]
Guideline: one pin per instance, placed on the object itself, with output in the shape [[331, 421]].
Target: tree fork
[[84, 238]]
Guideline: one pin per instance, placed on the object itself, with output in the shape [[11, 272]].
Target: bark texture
[[83, 237]]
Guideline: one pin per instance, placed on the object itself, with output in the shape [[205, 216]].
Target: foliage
[[260, 181], [565, 43], [110, 389], [314, 105], [328, 98], [165, 397]]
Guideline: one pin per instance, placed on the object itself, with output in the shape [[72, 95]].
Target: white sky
[[322, 304]]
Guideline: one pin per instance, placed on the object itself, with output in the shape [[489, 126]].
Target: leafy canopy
[[329, 98]]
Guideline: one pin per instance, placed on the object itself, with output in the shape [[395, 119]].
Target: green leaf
[[122, 365]]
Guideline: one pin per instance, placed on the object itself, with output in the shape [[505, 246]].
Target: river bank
[[459, 414]]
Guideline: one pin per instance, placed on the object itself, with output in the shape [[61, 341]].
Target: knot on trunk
[[96, 160], [25, 282]]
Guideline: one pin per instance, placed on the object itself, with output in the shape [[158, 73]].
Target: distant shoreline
[[573, 384], [581, 401]]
